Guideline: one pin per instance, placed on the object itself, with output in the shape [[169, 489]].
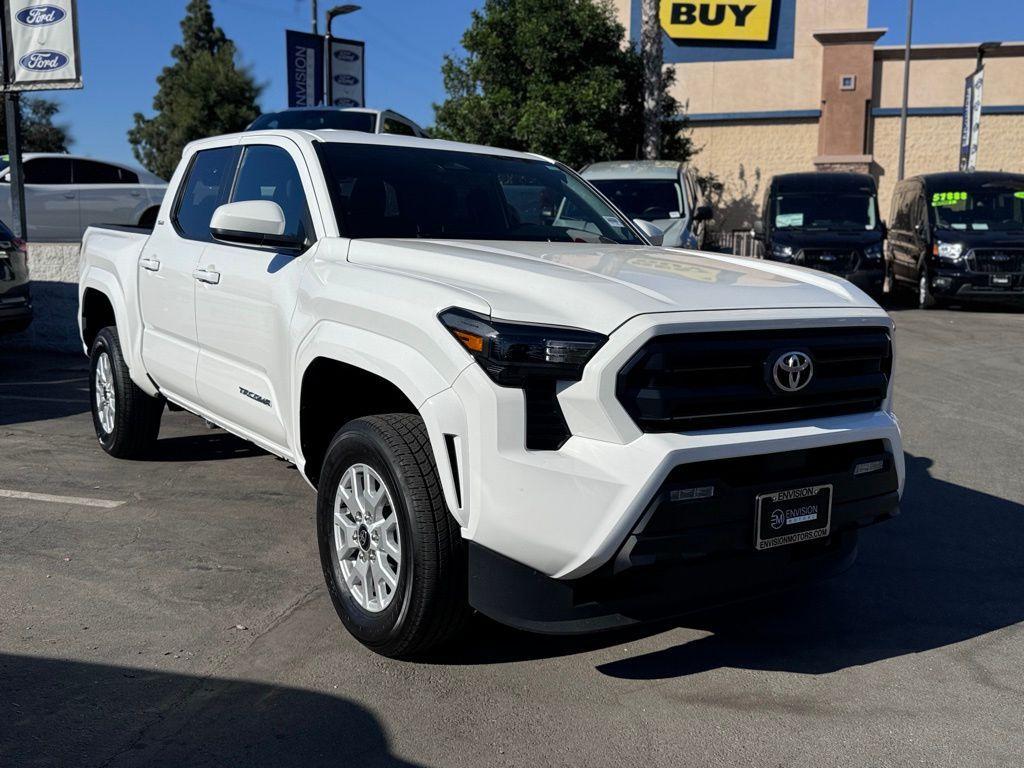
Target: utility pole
[[652, 55], [12, 109], [906, 91], [315, 17]]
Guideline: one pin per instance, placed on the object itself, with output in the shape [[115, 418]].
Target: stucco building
[[792, 85]]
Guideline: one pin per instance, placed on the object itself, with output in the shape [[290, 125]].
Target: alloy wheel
[[106, 408]]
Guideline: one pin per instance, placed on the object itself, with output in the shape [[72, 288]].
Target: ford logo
[[343, 54], [40, 15], [43, 61], [346, 103], [346, 79]]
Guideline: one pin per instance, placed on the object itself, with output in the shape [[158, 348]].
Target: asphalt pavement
[[172, 612]]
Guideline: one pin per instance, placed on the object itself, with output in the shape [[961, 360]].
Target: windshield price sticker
[[947, 198], [1019, 194], [789, 220]]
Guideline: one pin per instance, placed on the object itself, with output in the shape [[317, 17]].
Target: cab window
[[201, 192], [398, 127], [269, 173]]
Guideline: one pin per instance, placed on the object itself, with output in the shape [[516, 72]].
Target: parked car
[[825, 221], [504, 396], [662, 192], [338, 118], [958, 237], [65, 194], [15, 296]]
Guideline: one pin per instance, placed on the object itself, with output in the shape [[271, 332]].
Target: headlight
[[782, 252], [513, 354], [948, 251], [873, 252]]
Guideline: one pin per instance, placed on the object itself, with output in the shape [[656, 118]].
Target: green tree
[[38, 131], [554, 77], [203, 93]]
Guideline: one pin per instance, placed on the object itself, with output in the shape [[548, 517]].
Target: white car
[[65, 194], [663, 192], [503, 394]]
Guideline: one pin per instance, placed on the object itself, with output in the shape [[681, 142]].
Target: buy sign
[[741, 21]]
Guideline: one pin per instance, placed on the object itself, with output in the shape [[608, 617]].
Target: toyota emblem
[[792, 371]]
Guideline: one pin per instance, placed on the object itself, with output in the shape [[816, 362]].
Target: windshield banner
[[41, 45]]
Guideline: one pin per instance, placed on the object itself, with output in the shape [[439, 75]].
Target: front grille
[[996, 260], [834, 262], [688, 382]]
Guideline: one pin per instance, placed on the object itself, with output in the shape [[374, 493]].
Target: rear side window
[[93, 172], [201, 192], [398, 127], [48, 170], [269, 173]]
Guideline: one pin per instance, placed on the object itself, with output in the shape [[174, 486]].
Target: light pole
[[906, 90], [338, 10], [315, 17]]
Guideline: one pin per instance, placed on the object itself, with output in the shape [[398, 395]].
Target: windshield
[[315, 120], [997, 207], [649, 199], [825, 211], [388, 191]]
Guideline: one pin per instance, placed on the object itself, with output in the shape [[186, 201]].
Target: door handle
[[206, 276], [135, 193], [153, 265], [69, 195]]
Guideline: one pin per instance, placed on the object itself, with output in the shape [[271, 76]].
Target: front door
[[167, 283], [245, 303]]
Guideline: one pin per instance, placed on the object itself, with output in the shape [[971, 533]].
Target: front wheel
[[392, 554], [126, 419], [925, 297]]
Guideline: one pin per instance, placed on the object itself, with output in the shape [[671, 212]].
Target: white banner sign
[[346, 69], [42, 41]]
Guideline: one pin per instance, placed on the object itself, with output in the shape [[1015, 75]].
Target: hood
[[799, 239], [599, 287]]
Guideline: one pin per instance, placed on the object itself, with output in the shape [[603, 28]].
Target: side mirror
[[704, 213], [653, 232], [252, 222], [758, 230]]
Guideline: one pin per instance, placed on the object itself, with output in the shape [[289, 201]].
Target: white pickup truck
[[505, 395]]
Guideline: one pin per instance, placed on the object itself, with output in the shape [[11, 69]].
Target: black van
[[958, 237], [826, 221], [15, 300]]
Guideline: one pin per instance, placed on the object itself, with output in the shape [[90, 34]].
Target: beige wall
[[746, 156], [939, 82], [933, 145]]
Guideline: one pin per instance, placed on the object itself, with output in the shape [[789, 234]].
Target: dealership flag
[[42, 45], [971, 129], [347, 72], [305, 69]]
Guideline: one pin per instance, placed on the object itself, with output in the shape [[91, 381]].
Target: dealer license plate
[[792, 516], [1002, 281]]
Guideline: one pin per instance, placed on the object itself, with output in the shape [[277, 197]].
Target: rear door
[[244, 316], [51, 200], [167, 285], [107, 194]]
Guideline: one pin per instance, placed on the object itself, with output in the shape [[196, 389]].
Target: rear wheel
[[925, 297], [392, 554], [126, 419]]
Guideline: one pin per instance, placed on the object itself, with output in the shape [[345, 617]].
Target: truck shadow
[[36, 386], [947, 570], [59, 712]]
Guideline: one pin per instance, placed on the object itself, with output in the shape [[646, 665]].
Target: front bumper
[[977, 286], [685, 554]]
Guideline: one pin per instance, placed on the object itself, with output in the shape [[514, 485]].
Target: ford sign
[[346, 103], [343, 54], [43, 61], [40, 15], [346, 80]]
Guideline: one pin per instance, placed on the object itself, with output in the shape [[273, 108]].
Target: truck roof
[[381, 139], [971, 179], [824, 181]]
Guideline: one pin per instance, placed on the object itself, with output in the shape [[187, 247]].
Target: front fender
[[404, 366]]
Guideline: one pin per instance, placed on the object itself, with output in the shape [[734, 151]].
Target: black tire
[[429, 604], [925, 298], [136, 420]]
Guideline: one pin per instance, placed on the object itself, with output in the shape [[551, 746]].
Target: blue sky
[[125, 44]]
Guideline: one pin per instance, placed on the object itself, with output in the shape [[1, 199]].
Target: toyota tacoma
[[505, 395]]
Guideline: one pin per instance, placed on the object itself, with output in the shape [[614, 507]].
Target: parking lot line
[[76, 500]]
